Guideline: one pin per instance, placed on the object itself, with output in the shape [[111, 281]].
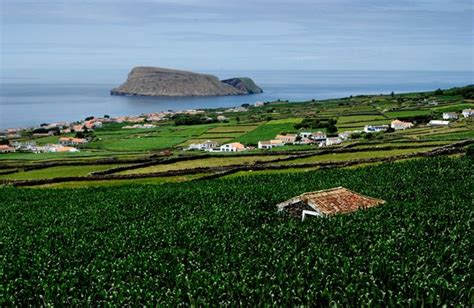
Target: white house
[[232, 147], [450, 115], [375, 128], [222, 118], [345, 135], [270, 144], [306, 134], [333, 141], [205, 146], [468, 113], [438, 123], [259, 104], [400, 125]]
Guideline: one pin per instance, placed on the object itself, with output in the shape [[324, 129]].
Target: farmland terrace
[[146, 215]]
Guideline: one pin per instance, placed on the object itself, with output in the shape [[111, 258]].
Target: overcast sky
[[216, 35]]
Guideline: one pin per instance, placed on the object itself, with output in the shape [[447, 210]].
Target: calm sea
[[32, 101]]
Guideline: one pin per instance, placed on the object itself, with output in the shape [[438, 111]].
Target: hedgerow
[[222, 242]]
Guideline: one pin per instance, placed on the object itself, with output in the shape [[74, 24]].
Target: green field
[[221, 242], [407, 113], [205, 162], [56, 172]]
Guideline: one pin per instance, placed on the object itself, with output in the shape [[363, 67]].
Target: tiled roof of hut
[[327, 202]]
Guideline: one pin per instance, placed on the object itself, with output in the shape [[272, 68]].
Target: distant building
[[270, 144], [333, 141], [66, 141], [345, 135], [438, 123], [375, 128], [205, 146], [259, 104], [400, 125], [450, 115], [288, 138], [232, 147], [6, 149], [468, 113], [328, 202], [222, 118]]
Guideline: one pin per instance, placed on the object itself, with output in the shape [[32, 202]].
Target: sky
[[211, 35]]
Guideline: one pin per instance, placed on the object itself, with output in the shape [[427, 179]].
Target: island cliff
[[156, 81]]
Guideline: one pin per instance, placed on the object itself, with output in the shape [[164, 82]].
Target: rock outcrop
[[156, 81]]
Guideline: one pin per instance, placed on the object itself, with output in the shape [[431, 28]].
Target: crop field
[[109, 183], [350, 156], [205, 162], [407, 113], [221, 242], [266, 132], [360, 118], [55, 172]]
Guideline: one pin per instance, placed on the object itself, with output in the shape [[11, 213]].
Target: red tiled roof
[[333, 201]]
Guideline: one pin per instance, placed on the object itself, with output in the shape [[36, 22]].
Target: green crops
[[222, 242]]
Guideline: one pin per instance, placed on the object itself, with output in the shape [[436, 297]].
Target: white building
[[205, 146], [375, 128], [345, 135], [450, 115], [232, 147], [400, 125], [222, 118], [468, 113], [270, 144], [438, 123], [259, 104], [333, 141]]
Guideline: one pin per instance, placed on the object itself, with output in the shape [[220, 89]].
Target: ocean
[[26, 102]]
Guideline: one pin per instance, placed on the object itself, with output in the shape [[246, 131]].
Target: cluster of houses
[[65, 144], [212, 146], [451, 116]]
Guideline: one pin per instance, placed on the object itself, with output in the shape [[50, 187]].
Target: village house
[[438, 123], [450, 115], [468, 113], [305, 141], [306, 134], [288, 138], [78, 128], [400, 125], [345, 135], [259, 104], [66, 141], [232, 147], [375, 128], [333, 141], [4, 148], [222, 118], [270, 144], [208, 145], [328, 202]]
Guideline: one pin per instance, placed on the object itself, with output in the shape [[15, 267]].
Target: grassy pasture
[[56, 172], [407, 113], [204, 162]]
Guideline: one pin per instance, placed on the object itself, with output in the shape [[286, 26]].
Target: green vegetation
[[56, 172], [221, 242]]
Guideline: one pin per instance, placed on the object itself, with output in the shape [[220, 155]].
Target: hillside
[[156, 81]]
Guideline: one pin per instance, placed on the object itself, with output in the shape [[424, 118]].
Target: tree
[[106, 116], [438, 92], [392, 94], [89, 118], [237, 119], [245, 105]]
